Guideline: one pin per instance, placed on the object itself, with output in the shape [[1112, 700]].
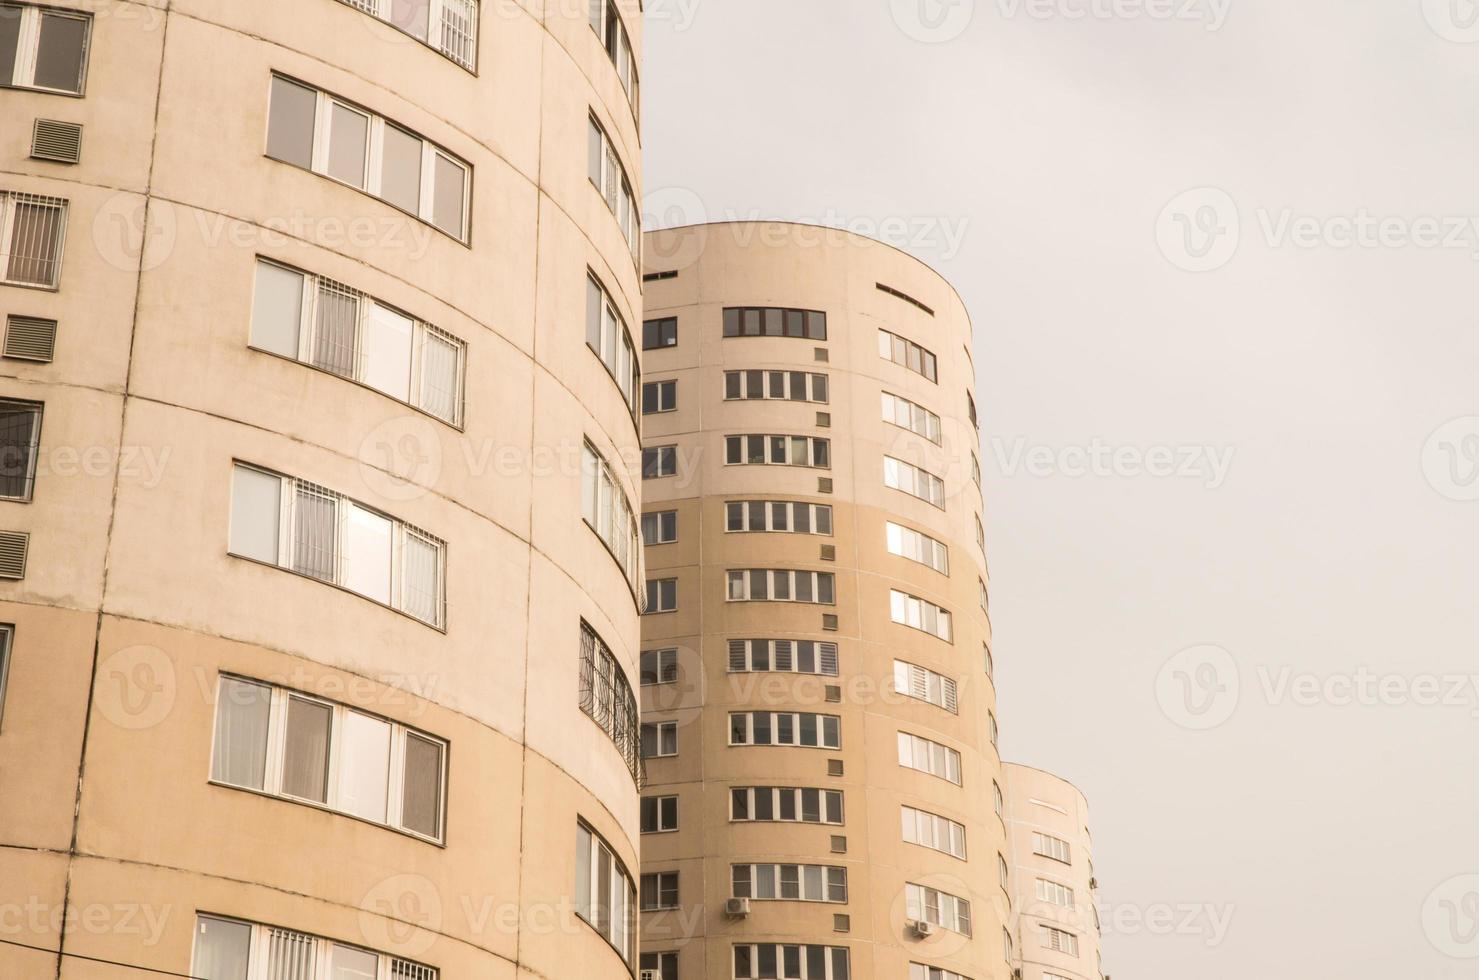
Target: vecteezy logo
[[402, 914], [933, 21], [401, 457], [1453, 20], [1199, 230], [1198, 688], [136, 687], [1451, 459], [132, 233], [1451, 917]]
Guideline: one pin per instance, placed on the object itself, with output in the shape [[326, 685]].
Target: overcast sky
[[1184, 229]]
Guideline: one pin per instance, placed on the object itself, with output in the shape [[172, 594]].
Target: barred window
[[925, 685], [778, 450], [607, 173], [784, 656], [786, 804], [796, 386], [791, 516], [770, 321], [335, 328], [607, 697], [787, 961], [314, 531], [782, 585], [789, 882], [447, 26], [32, 230], [231, 949], [785, 728], [1059, 940]]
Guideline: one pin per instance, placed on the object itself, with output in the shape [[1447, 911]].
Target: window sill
[[323, 808], [464, 242], [457, 426], [347, 591], [65, 93]]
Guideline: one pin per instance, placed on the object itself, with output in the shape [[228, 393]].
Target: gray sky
[[1315, 782]]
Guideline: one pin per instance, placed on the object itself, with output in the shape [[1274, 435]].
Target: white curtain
[[242, 712]]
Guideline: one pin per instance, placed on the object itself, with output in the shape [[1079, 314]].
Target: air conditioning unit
[[651, 975], [921, 928], [737, 908]]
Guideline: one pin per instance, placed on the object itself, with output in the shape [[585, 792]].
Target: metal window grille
[[32, 228], [336, 328], [290, 955], [460, 31], [315, 531], [607, 697]]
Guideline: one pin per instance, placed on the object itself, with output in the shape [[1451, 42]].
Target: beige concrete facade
[[863, 287], [113, 833], [1052, 854]]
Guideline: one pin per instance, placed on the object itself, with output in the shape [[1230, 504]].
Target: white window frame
[[401, 533], [1052, 848], [615, 188], [667, 385], [830, 957], [833, 882], [921, 971], [741, 582], [658, 607], [916, 546], [933, 831], [8, 219], [782, 656], [658, 523], [921, 614], [925, 904], [932, 758], [821, 726], [607, 511], [769, 511], [797, 795], [911, 416], [616, 353], [374, 148], [916, 482], [659, 880], [28, 48], [620, 902], [665, 737], [440, 21], [667, 462], [909, 355], [423, 333], [736, 317], [780, 385], [794, 450], [260, 946], [7, 644], [617, 44], [923, 684], [666, 666], [277, 727], [662, 824], [1054, 893], [1059, 940]]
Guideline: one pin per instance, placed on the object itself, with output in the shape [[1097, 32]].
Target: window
[[606, 696], [659, 461], [228, 949], [787, 804], [781, 585], [298, 746], [976, 468], [933, 831], [907, 415], [660, 527], [606, 22], [980, 534], [914, 481], [926, 685], [32, 229], [796, 386], [1003, 874], [314, 130], [659, 666], [659, 739], [659, 397], [659, 891], [1057, 939], [605, 170], [769, 321], [990, 662], [918, 971], [789, 882], [894, 348], [785, 728], [981, 597], [43, 48], [307, 529], [929, 757], [604, 505], [777, 451], [662, 595], [917, 546], [785, 656], [20, 441], [662, 332], [7, 635], [991, 728], [753, 961], [998, 802], [1045, 845], [607, 335], [327, 325], [1054, 893], [792, 516], [659, 814], [604, 896], [920, 614], [948, 911], [448, 26], [970, 408], [665, 965]]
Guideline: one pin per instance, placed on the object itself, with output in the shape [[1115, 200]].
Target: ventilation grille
[[13, 548], [841, 923], [839, 844], [658, 276], [820, 353], [60, 142], [829, 552], [824, 484], [30, 338], [824, 420], [834, 693], [834, 767], [829, 622]]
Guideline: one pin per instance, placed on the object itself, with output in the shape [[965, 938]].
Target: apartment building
[[319, 574]]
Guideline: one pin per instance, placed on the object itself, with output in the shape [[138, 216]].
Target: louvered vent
[[839, 844], [829, 621], [824, 420], [829, 552], [824, 484], [60, 142], [833, 693], [13, 547], [834, 767], [30, 338], [820, 353]]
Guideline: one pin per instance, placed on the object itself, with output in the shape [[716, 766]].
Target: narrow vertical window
[[306, 750], [242, 713], [290, 123], [256, 505], [222, 949], [421, 804]]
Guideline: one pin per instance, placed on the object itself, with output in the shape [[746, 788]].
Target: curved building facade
[[824, 795], [1052, 854], [318, 545]]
